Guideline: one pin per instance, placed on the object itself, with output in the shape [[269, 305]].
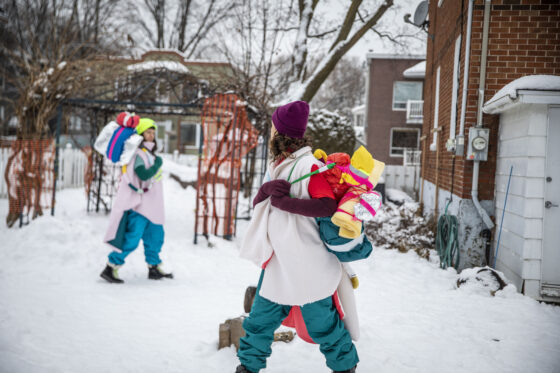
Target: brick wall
[[524, 39], [383, 72]]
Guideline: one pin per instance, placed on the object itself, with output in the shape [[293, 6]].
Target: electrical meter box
[[478, 144]]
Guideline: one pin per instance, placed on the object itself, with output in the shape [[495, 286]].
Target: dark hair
[[282, 146]]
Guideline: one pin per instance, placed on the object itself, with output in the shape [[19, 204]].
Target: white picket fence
[[72, 166], [405, 178]]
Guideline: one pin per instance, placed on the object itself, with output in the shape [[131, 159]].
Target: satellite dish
[[421, 14]]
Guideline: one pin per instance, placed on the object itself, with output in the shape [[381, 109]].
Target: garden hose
[[447, 245]]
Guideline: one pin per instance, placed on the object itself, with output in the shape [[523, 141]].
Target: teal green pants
[[323, 325]]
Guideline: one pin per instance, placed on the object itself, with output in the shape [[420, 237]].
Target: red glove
[[275, 188]]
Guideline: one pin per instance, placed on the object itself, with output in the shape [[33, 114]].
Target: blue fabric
[[139, 228], [323, 325], [329, 235], [119, 143]]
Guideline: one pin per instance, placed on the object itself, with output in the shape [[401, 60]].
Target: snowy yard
[[58, 315]]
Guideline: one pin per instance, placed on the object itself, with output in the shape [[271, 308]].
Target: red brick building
[[388, 130], [523, 38]]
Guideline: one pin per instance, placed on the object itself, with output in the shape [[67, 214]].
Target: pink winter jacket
[[148, 204]]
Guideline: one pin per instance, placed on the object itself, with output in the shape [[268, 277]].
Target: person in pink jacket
[[137, 212]]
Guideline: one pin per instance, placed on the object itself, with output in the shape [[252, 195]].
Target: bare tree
[[357, 21], [49, 50], [179, 24], [344, 88]]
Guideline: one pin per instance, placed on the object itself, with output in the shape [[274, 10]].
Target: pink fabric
[[149, 204], [368, 207]]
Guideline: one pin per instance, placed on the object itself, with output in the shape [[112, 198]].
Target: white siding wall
[[521, 144], [405, 178]]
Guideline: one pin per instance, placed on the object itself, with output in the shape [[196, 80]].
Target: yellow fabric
[[144, 124], [361, 160], [349, 228], [355, 282], [320, 155], [123, 169], [375, 174]]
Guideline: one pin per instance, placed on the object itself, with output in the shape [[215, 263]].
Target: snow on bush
[[402, 228], [331, 132]]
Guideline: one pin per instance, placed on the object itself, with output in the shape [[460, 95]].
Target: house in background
[[393, 109], [390, 122], [487, 58], [164, 76]]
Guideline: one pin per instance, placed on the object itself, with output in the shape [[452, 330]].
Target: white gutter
[[482, 81]]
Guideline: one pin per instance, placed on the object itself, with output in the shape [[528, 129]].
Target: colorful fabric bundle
[[118, 140], [351, 178], [116, 144]]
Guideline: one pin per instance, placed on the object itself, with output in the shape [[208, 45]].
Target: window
[[402, 138], [404, 91], [190, 135]]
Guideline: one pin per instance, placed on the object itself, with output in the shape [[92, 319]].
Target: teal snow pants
[[321, 320], [139, 228]]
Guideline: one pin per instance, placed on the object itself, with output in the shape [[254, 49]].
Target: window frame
[[197, 134], [393, 93], [405, 129]]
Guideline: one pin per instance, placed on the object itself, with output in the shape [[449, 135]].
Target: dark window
[[189, 134], [402, 138]]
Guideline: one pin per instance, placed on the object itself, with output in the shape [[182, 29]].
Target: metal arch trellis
[[103, 177], [32, 192]]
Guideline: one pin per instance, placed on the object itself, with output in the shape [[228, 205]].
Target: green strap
[[294, 166]]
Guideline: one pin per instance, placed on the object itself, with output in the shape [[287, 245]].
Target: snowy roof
[[544, 86], [390, 56], [359, 109], [152, 65], [416, 71]]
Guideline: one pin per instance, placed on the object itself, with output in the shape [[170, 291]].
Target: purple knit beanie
[[291, 119]]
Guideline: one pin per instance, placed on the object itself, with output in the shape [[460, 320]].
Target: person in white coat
[[299, 277]]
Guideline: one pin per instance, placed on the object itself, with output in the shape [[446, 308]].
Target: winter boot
[[351, 370], [242, 369], [156, 273], [111, 274]]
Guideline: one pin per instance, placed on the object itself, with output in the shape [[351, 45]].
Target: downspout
[[461, 136], [481, 86]]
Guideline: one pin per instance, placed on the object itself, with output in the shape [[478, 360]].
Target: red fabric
[[333, 176], [266, 263], [338, 305], [295, 320], [131, 120], [318, 185]]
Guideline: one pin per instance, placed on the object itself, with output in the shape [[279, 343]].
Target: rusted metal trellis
[[228, 137]]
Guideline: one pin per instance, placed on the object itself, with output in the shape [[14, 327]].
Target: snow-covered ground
[[57, 315]]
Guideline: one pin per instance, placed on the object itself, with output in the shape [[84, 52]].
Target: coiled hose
[[447, 245]]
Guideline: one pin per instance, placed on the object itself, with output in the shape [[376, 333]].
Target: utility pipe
[[482, 83], [461, 136]]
